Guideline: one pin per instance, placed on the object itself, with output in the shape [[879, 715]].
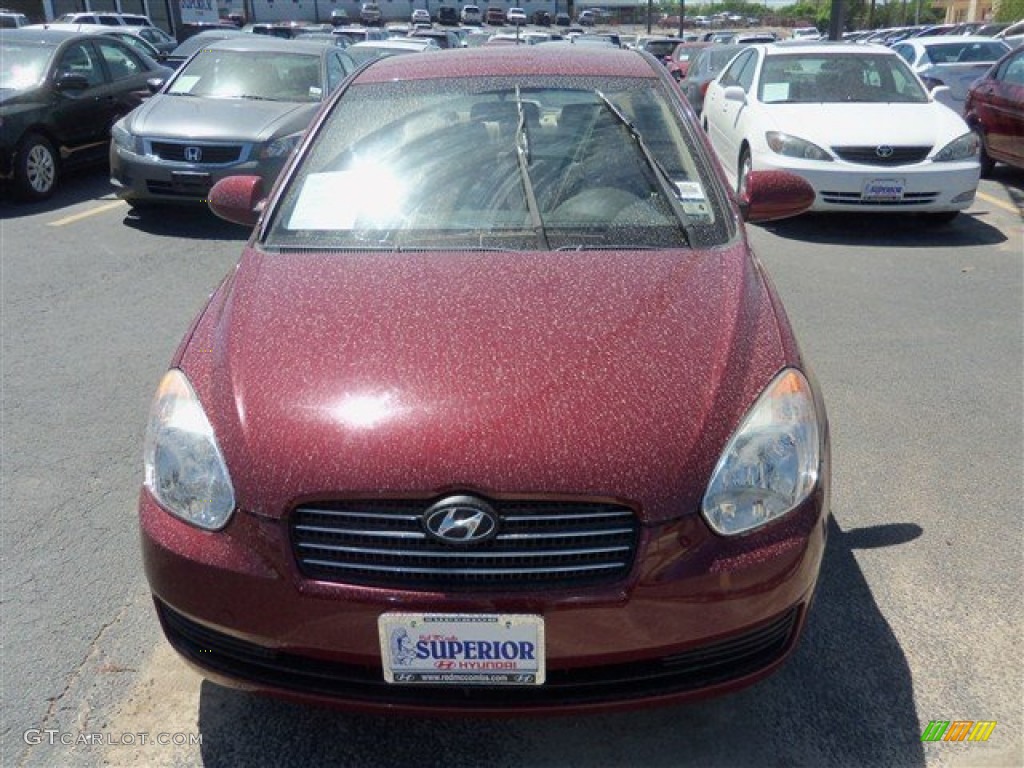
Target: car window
[[338, 68], [121, 62], [906, 51], [741, 71], [834, 78], [959, 53], [400, 163], [81, 59], [274, 76], [1012, 71]]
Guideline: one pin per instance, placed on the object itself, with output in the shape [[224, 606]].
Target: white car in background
[[516, 17], [854, 121], [955, 61]]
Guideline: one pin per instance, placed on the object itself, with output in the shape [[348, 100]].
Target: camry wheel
[[987, 163], [35, 168], [742, 172]]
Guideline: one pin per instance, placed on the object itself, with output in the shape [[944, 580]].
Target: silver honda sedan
[[238, 106]]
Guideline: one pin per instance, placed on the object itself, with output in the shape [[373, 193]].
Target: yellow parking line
[[86, 214], [998, 203]]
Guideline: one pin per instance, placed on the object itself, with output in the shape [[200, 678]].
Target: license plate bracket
[[882, 190]]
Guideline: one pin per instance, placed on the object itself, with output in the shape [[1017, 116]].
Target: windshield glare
[[22, 66], [830, 78], [500, 163], [244, 74]]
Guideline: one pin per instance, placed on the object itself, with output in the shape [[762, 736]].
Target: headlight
[[280, 147], [185, 470], [770, 464], [963, 148], [791, 146], [124, 140]]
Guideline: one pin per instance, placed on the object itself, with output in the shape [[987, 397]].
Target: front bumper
[[145, 178], [698, 615], [927, 187]]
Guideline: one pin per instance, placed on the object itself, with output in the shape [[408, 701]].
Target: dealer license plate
[[462, 649], [878, 190]]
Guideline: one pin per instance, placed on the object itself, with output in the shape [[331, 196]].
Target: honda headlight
[[123, 139], [770, 464], [280, 147], [792, 146], [963, 148], [185, 470]]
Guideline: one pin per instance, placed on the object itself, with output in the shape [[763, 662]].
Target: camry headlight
[[124, 139], [963, 148], [770, 463], [280, 147], [185, 470], [792, 146]]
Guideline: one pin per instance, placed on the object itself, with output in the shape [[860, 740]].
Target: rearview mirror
[[238, 199]]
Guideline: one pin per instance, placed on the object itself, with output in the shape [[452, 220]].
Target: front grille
[[730, 659], [210, 154], [539, 544], [910, 199], [870, 156]]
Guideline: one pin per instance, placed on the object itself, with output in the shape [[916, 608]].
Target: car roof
[[39, 33], [246, 42], [820, 47], [940, 39], [547, 59]]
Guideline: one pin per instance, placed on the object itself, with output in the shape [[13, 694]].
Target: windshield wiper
[[523, 158], [668, 186]]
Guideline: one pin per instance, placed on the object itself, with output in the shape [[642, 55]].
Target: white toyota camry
[[854, 121]]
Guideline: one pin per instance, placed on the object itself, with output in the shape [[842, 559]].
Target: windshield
[[499, 163], [830, 78], [22, 66], [965, 52], [275, 76]]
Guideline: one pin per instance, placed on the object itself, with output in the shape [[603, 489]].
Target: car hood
[[560, 373], [860, 124], [193, 117]]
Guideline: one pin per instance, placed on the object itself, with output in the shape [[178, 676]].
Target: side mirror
[[238, 199], [154, 84], [773, 195]]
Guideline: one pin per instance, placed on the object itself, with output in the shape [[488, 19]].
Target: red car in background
[[994, 109], [483, 424], [679, 62]]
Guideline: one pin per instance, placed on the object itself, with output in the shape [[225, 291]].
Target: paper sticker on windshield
[[366, 197], [693, 200], [775, 92]]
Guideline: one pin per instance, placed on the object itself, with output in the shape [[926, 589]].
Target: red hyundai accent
[[498, 413], [994, 108]]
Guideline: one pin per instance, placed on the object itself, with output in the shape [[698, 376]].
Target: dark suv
[[448, 15]]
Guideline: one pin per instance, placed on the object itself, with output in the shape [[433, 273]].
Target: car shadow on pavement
[[75, 188], [195, 221], [845, 698], [866, 230]]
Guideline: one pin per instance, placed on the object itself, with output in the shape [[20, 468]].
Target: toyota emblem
[[883, 151], [193, 154], [461, 520]]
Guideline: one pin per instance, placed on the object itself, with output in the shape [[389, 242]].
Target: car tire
[[987, 163], [743, 169], [36, 169]]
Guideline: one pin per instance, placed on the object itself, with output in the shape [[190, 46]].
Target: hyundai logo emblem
[[461, 520], [193, 154], [883, 151]]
